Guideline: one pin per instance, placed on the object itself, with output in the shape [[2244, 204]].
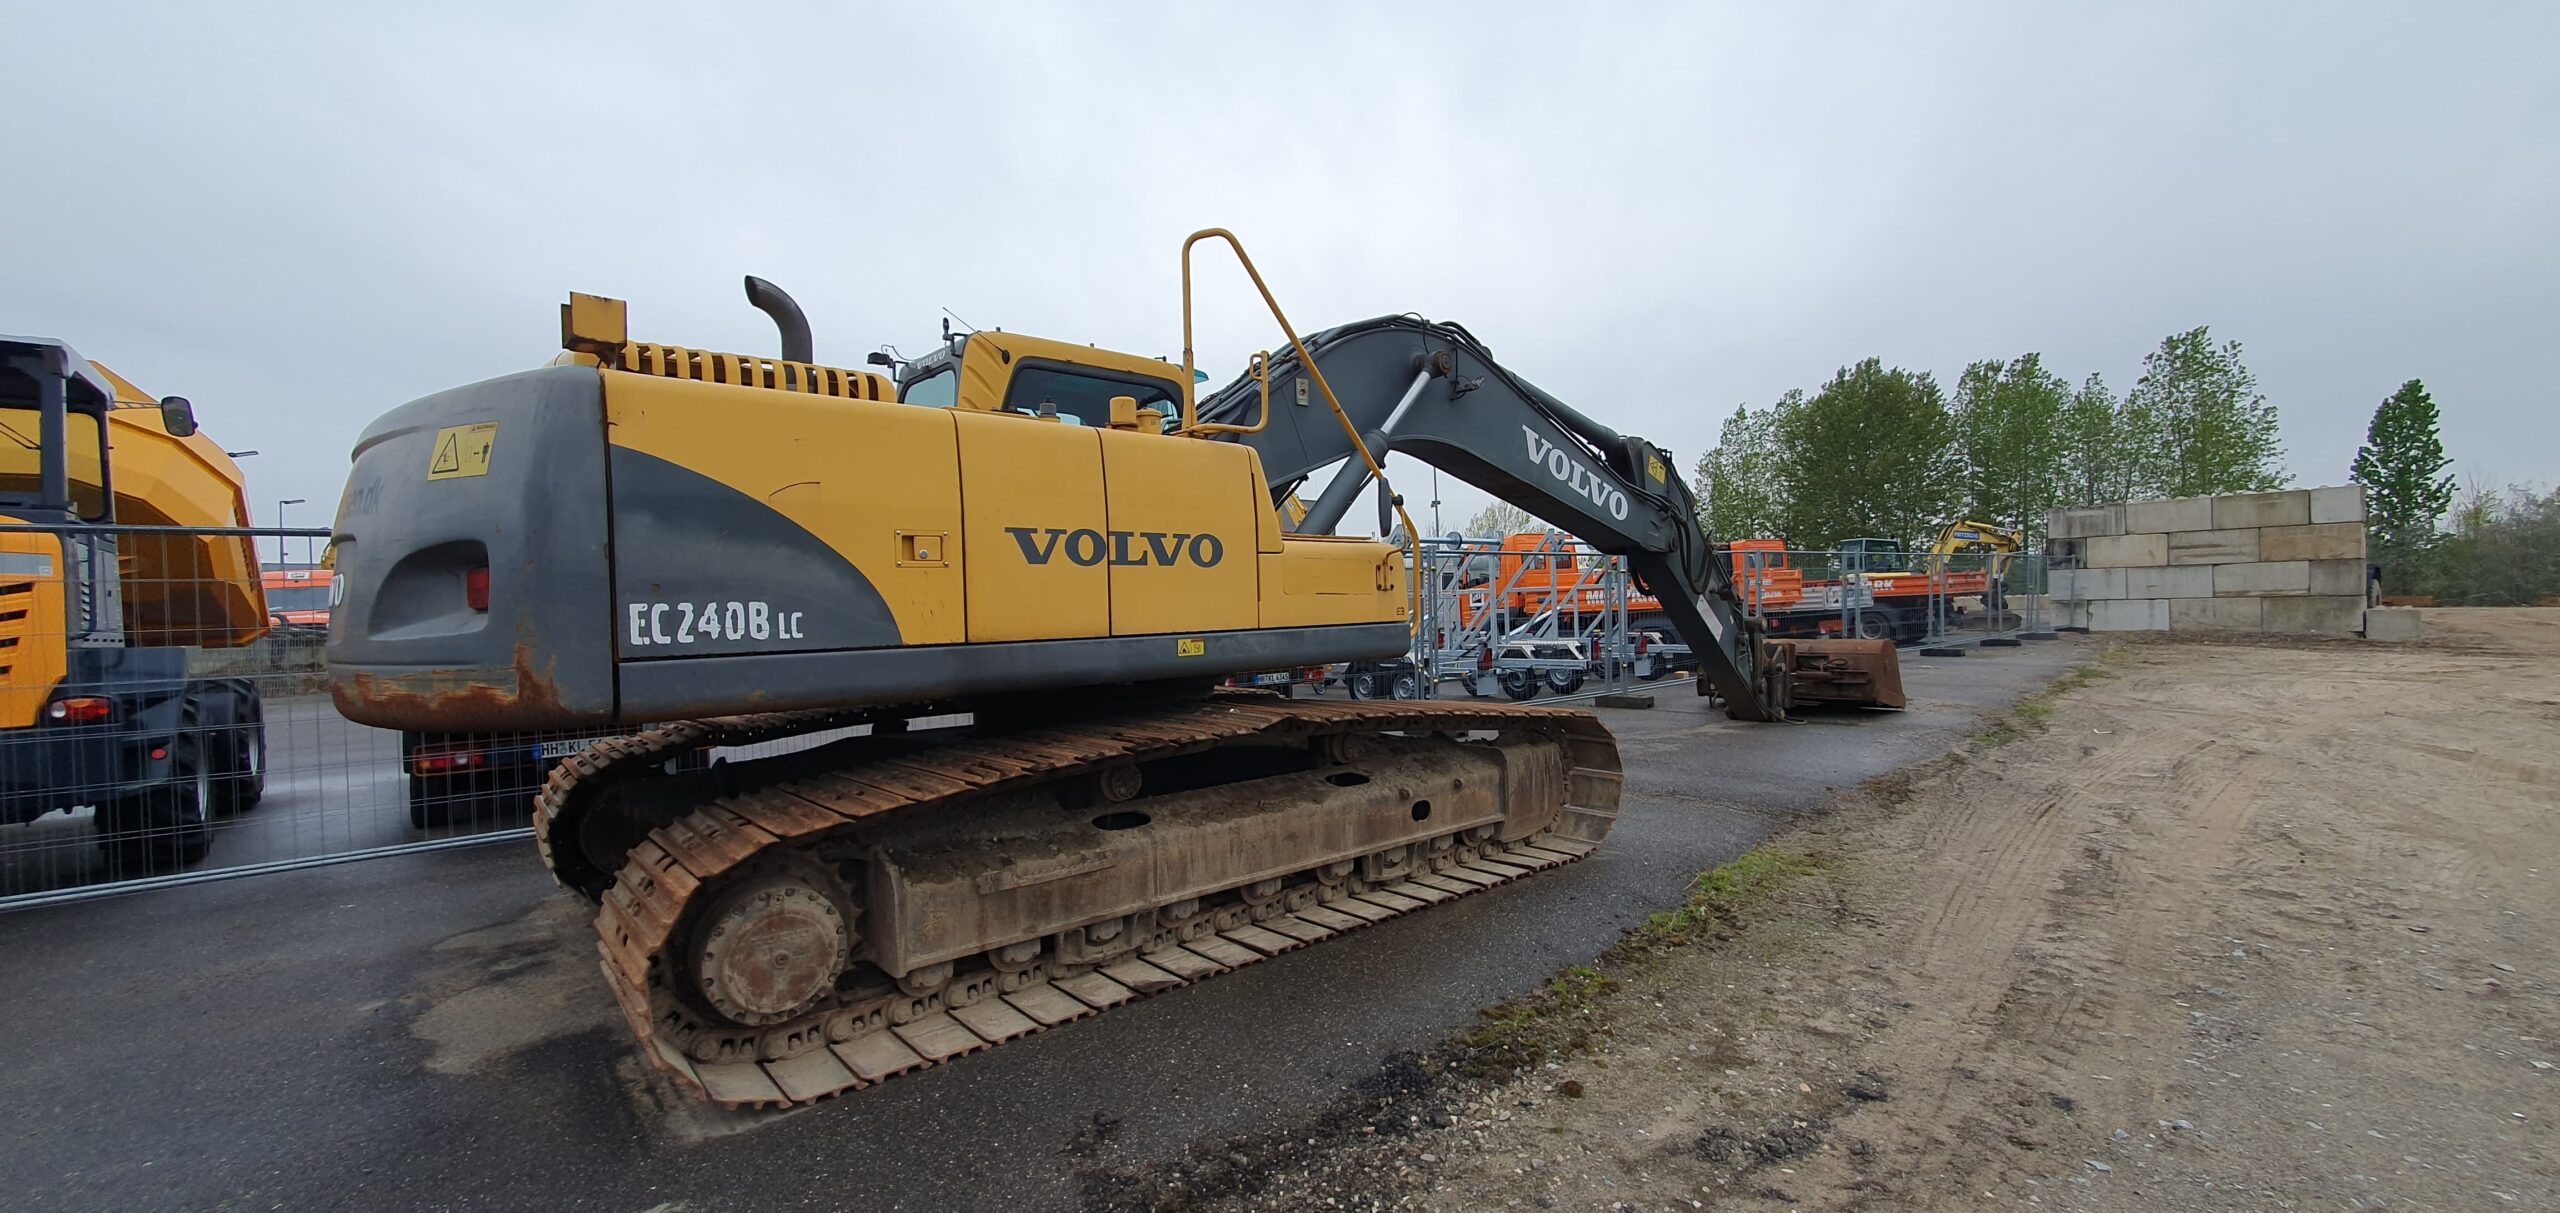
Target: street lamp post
[[280, 552]]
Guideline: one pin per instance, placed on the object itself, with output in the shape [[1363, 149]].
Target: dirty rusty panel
[[738, 1083], [786, 816], [938, 1036], [1359, 909], [1391, 902], [811, 1075], [1533, 779], [1266, 942], [994, 1022], [873, 1056], [1048, 1004], [1865, 673], [1232, 955], [1298, 928], [1026, 870], [1095, 990], [1334, 919], [1140, 976], [1184, 963]]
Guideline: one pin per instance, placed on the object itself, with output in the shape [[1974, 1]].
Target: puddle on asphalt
[[491, 995]]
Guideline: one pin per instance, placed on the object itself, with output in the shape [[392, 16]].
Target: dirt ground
[[2212, 926]]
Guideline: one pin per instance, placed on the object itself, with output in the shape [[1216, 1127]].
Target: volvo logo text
[[1575, 476], [1089, 547]]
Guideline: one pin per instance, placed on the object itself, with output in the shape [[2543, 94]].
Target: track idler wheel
[[768, 949]]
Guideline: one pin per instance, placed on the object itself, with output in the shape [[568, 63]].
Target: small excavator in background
[[982, 602]]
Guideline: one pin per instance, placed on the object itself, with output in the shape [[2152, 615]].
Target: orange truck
[[1879, 596], [298, 597]]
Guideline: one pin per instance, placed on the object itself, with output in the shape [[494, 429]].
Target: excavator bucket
[[1862, 673]]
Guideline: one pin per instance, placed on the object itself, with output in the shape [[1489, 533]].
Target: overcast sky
[[302, 219]]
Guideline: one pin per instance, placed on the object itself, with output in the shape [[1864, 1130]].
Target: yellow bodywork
[[981, 524], [178, 589]]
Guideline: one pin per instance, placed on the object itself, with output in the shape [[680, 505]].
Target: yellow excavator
[[983, 597]]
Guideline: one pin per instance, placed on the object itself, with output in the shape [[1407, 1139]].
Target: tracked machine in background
[[988, 598]]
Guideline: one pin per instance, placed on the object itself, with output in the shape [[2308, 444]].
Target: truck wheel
[[1405, 686], [238, 760], [1520, 684], [1564, 682], [426, 809], [1362, 685], [165, 828], [1876, 623]]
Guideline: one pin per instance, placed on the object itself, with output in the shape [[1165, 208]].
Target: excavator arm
[[1432, 391]]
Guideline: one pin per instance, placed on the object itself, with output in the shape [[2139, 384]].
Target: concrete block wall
[[2285, 562]]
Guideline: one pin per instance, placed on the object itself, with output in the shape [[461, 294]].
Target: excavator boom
[[1432, 391]]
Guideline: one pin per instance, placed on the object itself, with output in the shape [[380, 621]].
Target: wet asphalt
[[429, 1032]]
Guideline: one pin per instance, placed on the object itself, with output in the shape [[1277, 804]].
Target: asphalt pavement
[[332, 786], [430, 1032]]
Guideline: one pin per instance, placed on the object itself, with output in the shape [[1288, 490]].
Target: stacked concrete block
[[2282, 562], [2394, 624]]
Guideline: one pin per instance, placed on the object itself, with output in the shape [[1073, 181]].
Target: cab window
[[939, 390], [1083, 393], [22, 458]]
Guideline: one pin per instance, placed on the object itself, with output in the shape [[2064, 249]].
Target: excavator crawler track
[[775, 946]]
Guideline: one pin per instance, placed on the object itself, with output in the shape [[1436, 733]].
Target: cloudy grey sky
[[301, 218]]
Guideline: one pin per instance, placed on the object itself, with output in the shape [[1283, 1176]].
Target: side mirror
[[177, 416]]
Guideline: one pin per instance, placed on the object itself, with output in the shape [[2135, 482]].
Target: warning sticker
[[1190, 647], [462, 450]]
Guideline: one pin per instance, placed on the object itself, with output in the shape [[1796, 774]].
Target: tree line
[[1884, 452], [2493, 547]]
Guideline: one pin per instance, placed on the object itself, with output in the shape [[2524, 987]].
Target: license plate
[[562, 749]]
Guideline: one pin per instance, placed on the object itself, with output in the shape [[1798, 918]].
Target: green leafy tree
[[2008, 424], [1500, 518], [1871, 454], [2216, 432], [2402, 468], [1737, 482], [2504, 550], [2097, 467]]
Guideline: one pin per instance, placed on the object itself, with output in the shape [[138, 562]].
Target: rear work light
[[475, 588], [447, 763], [80, 709]]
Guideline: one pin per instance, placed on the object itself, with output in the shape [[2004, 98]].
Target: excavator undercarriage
[[836, 916]]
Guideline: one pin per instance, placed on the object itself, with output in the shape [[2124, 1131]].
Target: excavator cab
[[1874, 556]]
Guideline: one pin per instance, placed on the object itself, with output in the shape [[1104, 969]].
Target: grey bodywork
[[575, 531]]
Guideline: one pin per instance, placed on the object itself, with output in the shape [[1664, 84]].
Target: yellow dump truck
[[120, 547]]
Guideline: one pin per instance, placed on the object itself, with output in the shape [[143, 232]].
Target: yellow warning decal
[[462, 450], [1653, 467], [1190, 646]]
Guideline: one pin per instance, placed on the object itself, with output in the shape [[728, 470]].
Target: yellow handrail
[[1191, 416]]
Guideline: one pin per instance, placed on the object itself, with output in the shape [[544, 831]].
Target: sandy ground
[[2216, 926]]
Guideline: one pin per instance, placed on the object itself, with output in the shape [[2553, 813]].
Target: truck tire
[[1564, 682], [165, 828], [1520, 684], [237, 754], [1876, 623]]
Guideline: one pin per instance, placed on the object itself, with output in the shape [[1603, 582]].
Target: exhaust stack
[[772, 301]]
